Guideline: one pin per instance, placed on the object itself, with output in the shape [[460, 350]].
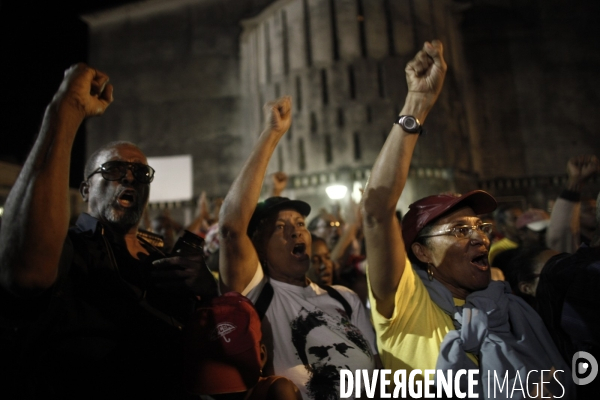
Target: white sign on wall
[[173, 178]]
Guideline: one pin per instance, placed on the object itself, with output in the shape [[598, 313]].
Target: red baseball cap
[[422, 212], [222, 347]]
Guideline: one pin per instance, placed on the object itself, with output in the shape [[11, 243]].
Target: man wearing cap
[[94, 311], [442, 312], [310, 335]]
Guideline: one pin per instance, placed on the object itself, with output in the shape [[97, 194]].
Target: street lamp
[[336, 192]]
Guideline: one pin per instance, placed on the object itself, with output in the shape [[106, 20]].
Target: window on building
[[280, 159], [351, 82], [341, 120], [301, 155], [298, 93], [361, 28], [307, 30], [334, 31], [284, 39], [380, 80], [267, 52], [324, 87], [313, 122], [328, 150], [357, 149]]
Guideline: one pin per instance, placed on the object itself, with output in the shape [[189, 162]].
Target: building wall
[[533, 81], [191, 77], [175, 68], [342, 61]]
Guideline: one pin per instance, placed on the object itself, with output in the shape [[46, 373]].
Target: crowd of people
[[252, 301]]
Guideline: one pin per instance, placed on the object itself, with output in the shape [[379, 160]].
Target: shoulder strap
[[264, 299], [338, 296]]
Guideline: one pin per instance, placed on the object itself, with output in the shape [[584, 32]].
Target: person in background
[[568, 302], [321, 265], [524, 270], [224, 355], [505, 218], [531, 227], [167, 228], [327, 226], [572, 221]]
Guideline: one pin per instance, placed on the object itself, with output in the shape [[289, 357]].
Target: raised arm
[[564, 230], [36, 213], [384, 246], [339, 253], [201, 221], [279, 181], [237, 258]]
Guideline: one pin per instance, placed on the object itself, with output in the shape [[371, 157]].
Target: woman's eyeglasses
[[116, 170], [463, 231]]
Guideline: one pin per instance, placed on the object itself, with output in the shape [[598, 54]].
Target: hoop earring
[[429, 272]]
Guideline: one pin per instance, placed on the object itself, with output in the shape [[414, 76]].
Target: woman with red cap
[[433, 303]]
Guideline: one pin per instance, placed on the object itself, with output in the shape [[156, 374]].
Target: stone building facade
[[191, 77], [342, 61]]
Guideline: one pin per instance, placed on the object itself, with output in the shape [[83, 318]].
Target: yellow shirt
[[500, 246], [411, 338]]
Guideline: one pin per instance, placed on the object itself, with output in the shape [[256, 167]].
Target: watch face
[[409, 123]]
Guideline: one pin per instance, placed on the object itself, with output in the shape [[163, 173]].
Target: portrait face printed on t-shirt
[[325, 345]]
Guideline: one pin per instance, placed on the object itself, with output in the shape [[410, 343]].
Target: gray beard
[[129, 218]]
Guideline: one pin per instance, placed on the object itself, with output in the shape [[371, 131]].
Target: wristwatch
[[409, 124]]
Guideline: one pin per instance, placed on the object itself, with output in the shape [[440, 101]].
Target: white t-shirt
[[309, 337]]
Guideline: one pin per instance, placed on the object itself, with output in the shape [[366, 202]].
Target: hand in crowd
[[203, 212], [278, 115], [86, 89], [580, 169], [188, 274], [279, 181], [353, 213], [426, 71], [217, 203], [203, 205]]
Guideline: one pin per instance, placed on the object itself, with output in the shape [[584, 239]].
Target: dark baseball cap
[[265, 208], [422, 212]]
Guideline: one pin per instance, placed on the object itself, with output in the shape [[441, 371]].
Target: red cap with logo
[[422, 212], [222, 347]]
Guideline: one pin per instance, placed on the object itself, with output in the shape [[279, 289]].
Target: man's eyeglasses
[[116, 170], [463, 231]]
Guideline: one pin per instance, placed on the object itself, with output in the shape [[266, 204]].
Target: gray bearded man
[[95, 310]]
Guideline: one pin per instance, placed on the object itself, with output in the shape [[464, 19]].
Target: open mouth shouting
[[299, 251], [127, 198], [481, 262]]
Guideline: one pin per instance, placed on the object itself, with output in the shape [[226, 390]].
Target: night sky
[[38, 42]]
